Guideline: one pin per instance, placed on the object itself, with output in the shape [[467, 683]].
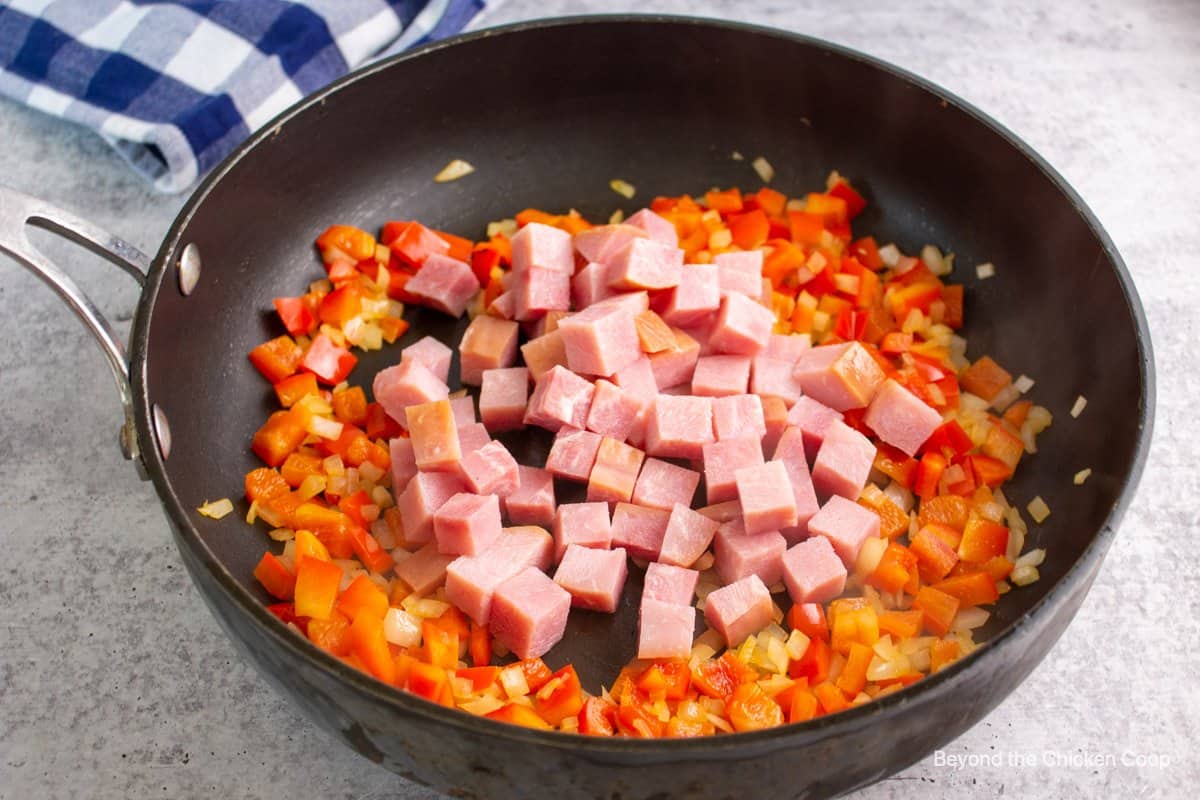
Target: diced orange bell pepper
[[719, 677], [895, 569], [771, 201], [290, 390], [277, 359], [942, 653], [901, 624], [561, 697], [919, 296], [428, 680], [635, 719], [263, 484], [441, 645], [369, 644], [688, 721], [393, 328], [519, 715], [896, 465], [952, 298], [331, 635], [935, 557], [350, 406], [944, 510], [982, 540], [985, 378], [1004, 445], [938, 609], [480, 645], [598, 717], [853, 677], [988, 471], [852, 620], [341, 305], [412, 243], [480, 677], [970, 589], [831, 698], [749, 230], [299, 466], [806, 228], [750, 709], [275, 577], [460, 248], [379, 425], [348, 241], [893, 522], [279, 436], [362, 596], [317, 585], [536, 673], [726, 202], [803, 706], [368, 551]]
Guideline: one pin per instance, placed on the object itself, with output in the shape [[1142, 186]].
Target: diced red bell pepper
[[814, 664], [460, 248], [481, 677], [749, 230], [949, 439], [413, 243], [982, 540], [536, 673], [290, 390], [938, 609], [368, 551], [362, 596], [561, 697], [895, 342], [971, 589], [484, 259], [952, 298], [340, 305], [635, 719], [850, 325], [919, 296], [718, 677], [480, 645], [286, 613], [346, 240], [854, 201], [279, 436], [330, 363], [809, 619], [598, 717], [867, 253], [277, 359], [929, 473], [275, 577], [934, 556], [750, 708], [896, 465], [295, 315], [829, 206], [989, 471], [427, 680], [519, 715], [379, 425]]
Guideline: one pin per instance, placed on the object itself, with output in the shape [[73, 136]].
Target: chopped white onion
[[401, 628], [453, 171], [985, 271], [1082, 476], [736, 156], [1038, 509], [1025, 575], [623, 188], [217, 508], [1080, 405], [764, 169], [617, 217], [1023, 384], [889, 254], [1034, 558]]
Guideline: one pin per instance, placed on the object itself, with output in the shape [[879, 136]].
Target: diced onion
[[1023, 384], [1080, 405], [985, 271], [889, 254], [969, 619], [796, 645], [504, 227], [764, 169], [401, 628], [481, 706], [1038, 509], [453, 171], [617, 217], [1082, 476], [512, 680], [1024, 575], [623, 188], [869, 555], [933, 259], [217, 509], [281, 534], [324, 427], [311, 486], [736, 156], [1034, 558]]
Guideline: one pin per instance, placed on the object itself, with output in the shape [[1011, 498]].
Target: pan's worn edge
[[743, 745]]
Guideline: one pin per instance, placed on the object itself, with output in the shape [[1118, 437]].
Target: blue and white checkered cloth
[[175, 85]]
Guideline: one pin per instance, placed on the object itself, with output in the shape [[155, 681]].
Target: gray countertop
[[116, 682]]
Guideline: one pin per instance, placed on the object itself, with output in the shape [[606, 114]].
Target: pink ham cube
[[590, 285], [790, 453], [532, 503], [467, 524], [633, 302], [645, 264], [421, 499], [768, 501], [668, 583], [724, 458], [444, 283], [487, 343], [430, 353], [407, 384], [813, 572], [723, 512], [659, 229], [775, 413], [601, 243], [639, 530], [600, 340], [539, 246], [739, 554], [471, 580], [463, 409], [537, 291], [529, 613], [503, 396], [679, 427], [843, 463], [404, 464], [615, 412], [424, 570], [773, 377], [738, 417], [787, 346], [471, 437], [813, 419], [504, 306], [688, 535], [544, 353], [547, 323], [675, 366], [697, 296], [719, 376], [434, 436], [739, 609], [740, 272], [594, 578], [615, 472], [846, 525], [637, 379], [665, 630], [900, 418], [583, 524], [662, 484], [842, 376], [491, 470], [573, 454], [560, 397], [742, 327]]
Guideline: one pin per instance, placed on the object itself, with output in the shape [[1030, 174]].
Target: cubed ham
[[537, 291], [529, 613], [532, 503], [739, 554], [637, 379], [768, 501], [539, 246], [601, 243], [560, 397], [432, 354], [544, 353], [404, 463], [471, 437], [573, 453], [740, 272], [843, 463], [659, 229], [444, 283], [600, 340], [633, 302], [590, 285], [615, 412], [503, 396], [790, 452], [775, 413], [463, 409], [724, 458], [813, 419], [424, 495], [668, 583], [662, 484], [722, 512], [547, 323], [813, 572], [738, 417], [639, 530], [424, 570], [491, 470], [665, 630], [584, 524], [900, 418], [773, 377], [487, 343], [719, 376], [615, 472], [467, 523], [594, 578], [471, 580], [407, 384], [504, 306], [675, 366], [742, 326], [787, 346], [696, 297], [645, 264], [688, 535], [739, 609], [842, 376], [434, 435], [679, 427], [846, 525]]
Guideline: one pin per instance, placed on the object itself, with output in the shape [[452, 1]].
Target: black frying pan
[[549, 113]]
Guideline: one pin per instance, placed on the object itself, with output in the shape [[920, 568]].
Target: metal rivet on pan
[[189, 269], [162, 432]]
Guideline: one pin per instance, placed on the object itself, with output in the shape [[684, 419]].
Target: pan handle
[[18, 210]]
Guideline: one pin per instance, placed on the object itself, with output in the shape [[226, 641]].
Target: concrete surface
[[116, 682]]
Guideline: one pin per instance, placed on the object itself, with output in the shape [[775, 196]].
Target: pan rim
[[771, 739]]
